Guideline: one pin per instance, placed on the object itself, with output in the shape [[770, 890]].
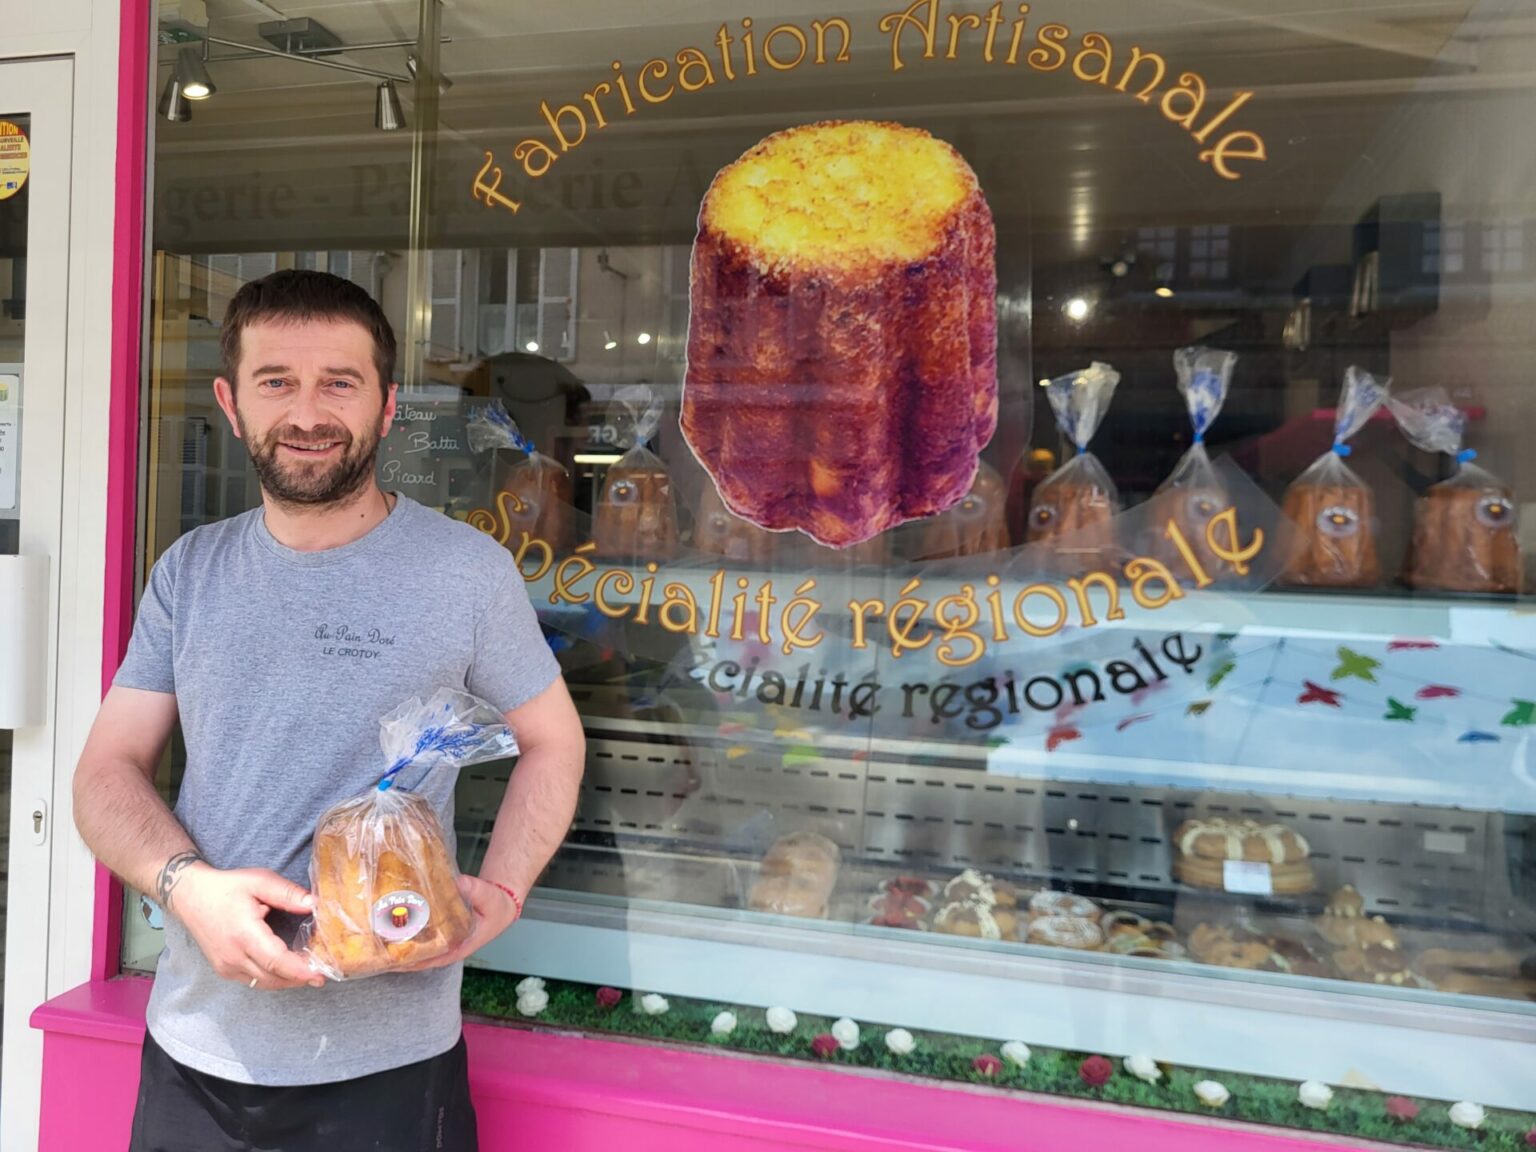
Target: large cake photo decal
[[842, 341]]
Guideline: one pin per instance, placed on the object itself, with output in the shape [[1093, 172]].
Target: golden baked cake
[[1335, 542], [1464, 537], [798, 874], [842, 343], [1204, 847], [386, 891]]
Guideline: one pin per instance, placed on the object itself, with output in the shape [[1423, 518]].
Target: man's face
[[309, 407]]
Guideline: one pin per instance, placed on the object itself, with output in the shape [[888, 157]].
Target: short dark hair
[[296, 295]]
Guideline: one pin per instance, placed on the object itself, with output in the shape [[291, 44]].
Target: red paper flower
[[1530, 1138], [1095, 1071], [1401, 1108], [609, 997], [987, 1064], [825, 1045]]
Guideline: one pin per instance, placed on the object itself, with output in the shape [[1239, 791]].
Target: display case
[[1000, 485]]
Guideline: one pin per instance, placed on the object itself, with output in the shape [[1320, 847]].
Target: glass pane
[[950, 660]]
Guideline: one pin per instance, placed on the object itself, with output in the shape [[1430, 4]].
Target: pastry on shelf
[[537, 503], [1204, 846], [1385, 963], [1050, 903], [982, 887], [1072, 511], [797, 876], [720, 532], [636, 517], [977, 918], [901, 905], [975, 526], [842, 337], [1464, 527], [1077, 932], [1472, 972], [1131, 934], [1344, 922], [1228, 946], [1334, 511]]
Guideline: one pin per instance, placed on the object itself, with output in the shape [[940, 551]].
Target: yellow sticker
[[15, 159]]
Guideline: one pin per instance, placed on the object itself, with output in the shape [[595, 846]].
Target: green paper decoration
[[1352, 663], [1397, 710], [1522, 716], [1197, 708], [1221, 673]]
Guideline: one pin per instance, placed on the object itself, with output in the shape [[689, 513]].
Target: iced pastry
[[842, 341], [977, 918], [1204, 846], [982, 887], [1063, 904], [1077, 932]]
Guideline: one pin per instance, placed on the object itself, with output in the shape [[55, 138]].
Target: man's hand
[[494, 913], [225, 911]]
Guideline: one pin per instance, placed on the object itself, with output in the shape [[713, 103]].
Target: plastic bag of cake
[[1074, 507], [384, 881], [1333, 509], [635, 520], [1463, 527], [531, 494], [1194, 491]]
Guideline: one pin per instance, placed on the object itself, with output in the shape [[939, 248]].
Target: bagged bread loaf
[[1463, 527], [636, 516], [1073, 509], [1194, 491], [798, 874], [384, 881], [1333, 509]]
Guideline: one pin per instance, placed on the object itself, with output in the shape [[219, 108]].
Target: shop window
[[921, 737]]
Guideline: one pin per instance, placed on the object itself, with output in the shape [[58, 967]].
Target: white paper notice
[[10, 442], [1250, 877]]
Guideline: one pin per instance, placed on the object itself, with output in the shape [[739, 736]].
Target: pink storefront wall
[[533, 1089]]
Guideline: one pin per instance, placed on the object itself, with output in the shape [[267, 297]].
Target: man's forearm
[[534, 817], [127, 825]]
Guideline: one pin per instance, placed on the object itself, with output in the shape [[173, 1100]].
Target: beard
[[311, 483]]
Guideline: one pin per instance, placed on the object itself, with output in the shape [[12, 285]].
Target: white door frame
[[44, 89]]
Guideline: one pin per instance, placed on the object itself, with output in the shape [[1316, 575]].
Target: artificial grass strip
[[944, 1056]]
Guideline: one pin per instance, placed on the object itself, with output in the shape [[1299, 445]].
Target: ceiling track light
[[173, 105], [192, 73], [388, 116]]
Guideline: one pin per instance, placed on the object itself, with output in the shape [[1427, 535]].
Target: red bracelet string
[[516, 902]]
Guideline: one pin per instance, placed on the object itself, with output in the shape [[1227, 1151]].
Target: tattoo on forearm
[[165, 885]]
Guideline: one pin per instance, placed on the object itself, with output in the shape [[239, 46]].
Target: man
[[279, 638]]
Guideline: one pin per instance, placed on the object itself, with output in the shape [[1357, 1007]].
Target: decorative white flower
[[1143, 1067], [532, 1002], [1466, 1114], [1212, 1093], [846, 1033], [781, 1020], [530, 984], [1016, 1052], [654, 1005], [1315, 1094], [723, 1024], [900, 1042]]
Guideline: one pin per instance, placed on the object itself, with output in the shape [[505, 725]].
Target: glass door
[[35, 142]]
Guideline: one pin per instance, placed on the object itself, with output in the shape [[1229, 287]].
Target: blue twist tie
[[1199, 437], [1341, 449], [1466, 455]]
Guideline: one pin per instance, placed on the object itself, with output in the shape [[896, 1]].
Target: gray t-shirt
[[282, 664]]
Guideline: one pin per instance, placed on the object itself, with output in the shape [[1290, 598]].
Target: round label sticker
[[15, 159], [399, 916]]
